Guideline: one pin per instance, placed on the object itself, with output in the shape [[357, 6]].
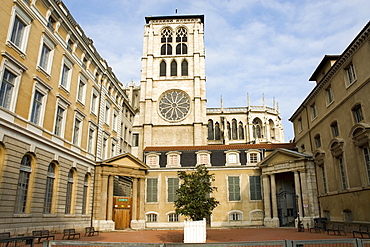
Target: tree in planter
[[194, 198]]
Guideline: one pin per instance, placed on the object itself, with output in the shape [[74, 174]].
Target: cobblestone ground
[[213, 235]]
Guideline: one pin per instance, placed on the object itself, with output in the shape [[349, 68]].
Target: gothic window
[[166, 49], [241, 131], [184, 68], [181, 38], [166, 39], [210, 130], [173, 68], [228, 130], [234, 129], [257, 128], [272, 129], [181, 49], [217, 131], [162, 68]]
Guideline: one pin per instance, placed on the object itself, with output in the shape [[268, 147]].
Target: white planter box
[[195, 231]]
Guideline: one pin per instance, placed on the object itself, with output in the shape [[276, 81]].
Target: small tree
[[194, 194]]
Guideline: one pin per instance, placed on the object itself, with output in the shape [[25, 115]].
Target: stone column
[[137, 221], [134, 199], [104, 195], [298, 192], [110, 198], [266, 196], [273, 198], [142, 199]]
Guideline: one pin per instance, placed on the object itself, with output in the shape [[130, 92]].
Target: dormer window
[[152, 159], [203, 158], [253, 157], [173, 159], [232, 158]]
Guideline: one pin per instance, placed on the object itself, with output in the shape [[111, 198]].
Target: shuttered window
[[173, 185], [234, 189], [152, 190], [255, 187]]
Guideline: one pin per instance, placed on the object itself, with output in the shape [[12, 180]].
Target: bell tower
[[173, 91]]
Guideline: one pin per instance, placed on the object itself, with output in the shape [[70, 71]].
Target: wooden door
[[121, 212]]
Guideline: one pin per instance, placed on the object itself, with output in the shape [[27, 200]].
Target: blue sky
[[260, 47]]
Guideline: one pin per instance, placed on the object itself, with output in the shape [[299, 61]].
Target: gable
[[125, 161], [282, 156]]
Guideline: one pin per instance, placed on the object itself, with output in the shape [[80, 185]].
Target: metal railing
[[355, 242]]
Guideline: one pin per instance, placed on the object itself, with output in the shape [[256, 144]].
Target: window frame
[[235, 195], [350, 74], [231, 153], [329, 95], [151, 217], [171, 189], [206, 160], [77, 133], [314, 113], [45, 60], [25, 19], [66, 79], [170, 159], [152, 159], [70, 192], [25, 178], [151, 195], [50, 187], [81, 89], [357, 113], [231, 216], [255, 191], [253, 152]]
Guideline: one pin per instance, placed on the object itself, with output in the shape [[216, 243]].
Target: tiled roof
[[269, 146]]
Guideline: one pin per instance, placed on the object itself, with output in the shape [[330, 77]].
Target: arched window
[[241, 131], [181, 38], [166, 49], [49, 191], [23, 184], [235, 216], [217, 131], [228, 130], [85, 194], [210, 130], [173, 68], [317, 139], [234, 129], [272, 129], [257, 128], [181, 49], [69, 193], [162, 68], [184, 68], [166, 39]]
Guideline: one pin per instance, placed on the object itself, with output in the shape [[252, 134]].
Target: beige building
[[61, 110], [332, 125]]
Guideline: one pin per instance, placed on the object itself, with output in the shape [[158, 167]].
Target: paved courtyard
[[213, 235]]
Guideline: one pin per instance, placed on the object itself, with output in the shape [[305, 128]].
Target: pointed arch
[[217, 131], [184, 68], [173, 68], [234, 129], [257, 128], [162, 68], [210, 130], [272, 129], [241, 131]]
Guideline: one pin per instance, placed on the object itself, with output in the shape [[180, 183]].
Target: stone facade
[[332, 125]]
